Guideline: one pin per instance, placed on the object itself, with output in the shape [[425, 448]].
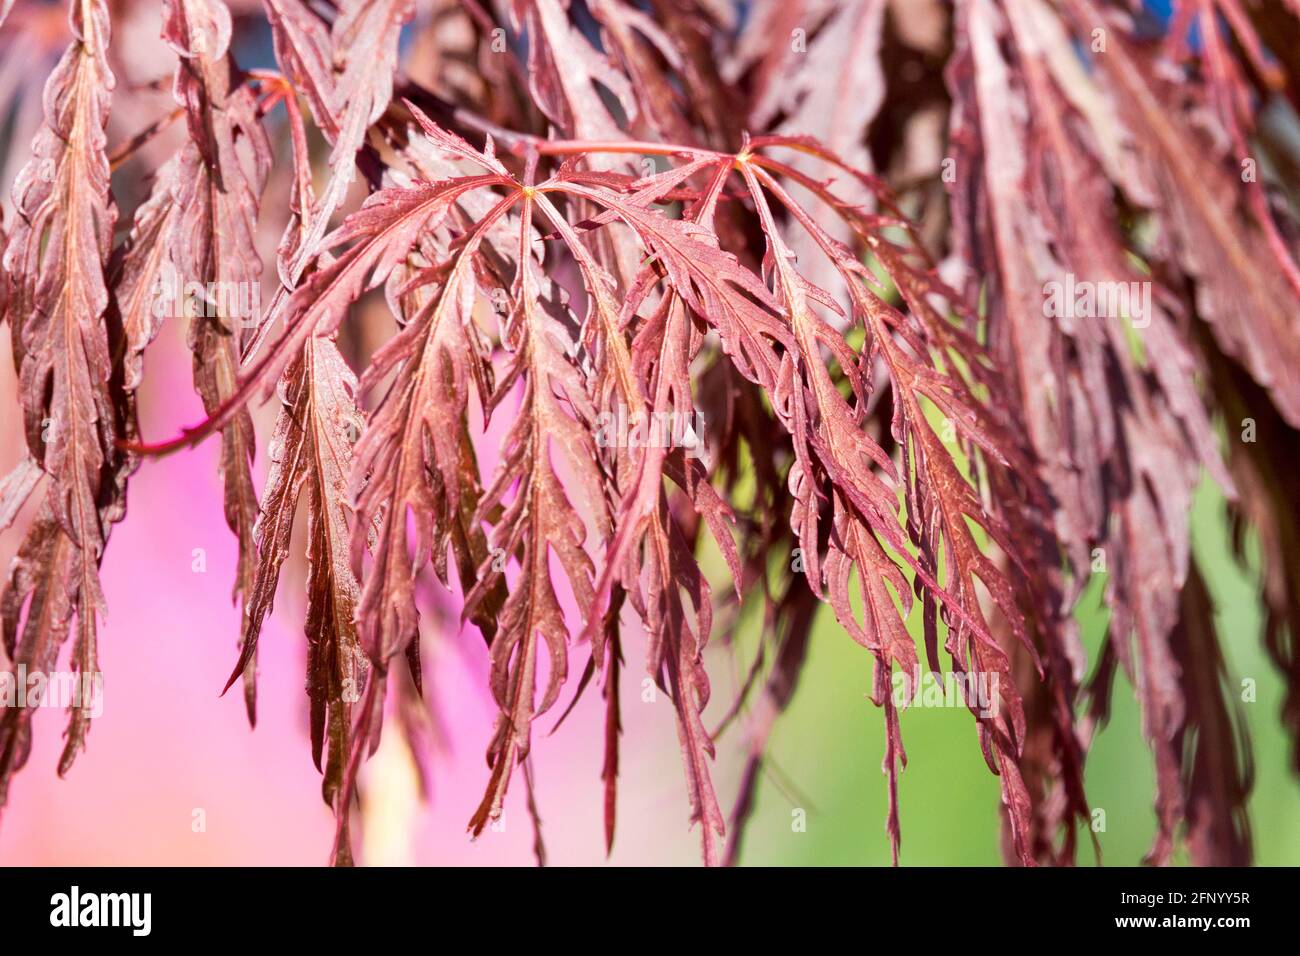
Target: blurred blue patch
[[1155, 20]]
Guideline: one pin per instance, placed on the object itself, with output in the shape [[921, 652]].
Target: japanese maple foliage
[[824, 230]]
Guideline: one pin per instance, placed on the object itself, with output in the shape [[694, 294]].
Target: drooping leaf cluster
[[767, 279]]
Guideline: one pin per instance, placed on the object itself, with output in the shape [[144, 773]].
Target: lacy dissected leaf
[[538, 519], [144, 277], [58, 299], [649, 430], [382, 232], [335, 665], [313, 444], [415, 459], [304, 50], [311, 450], [652, 555], [1105, 428], [939, 498], [219, 182], [825, 82], [1143, 616], [415, 439], [364, 44], [649, 552], [771, 329]]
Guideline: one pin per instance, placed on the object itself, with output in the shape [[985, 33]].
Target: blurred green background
[[949, 799]]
